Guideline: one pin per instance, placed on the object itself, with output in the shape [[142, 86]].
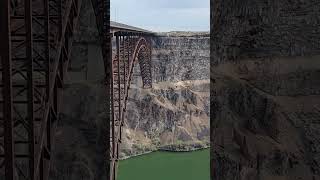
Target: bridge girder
[[37, 37], [130, 49], [35, 52]]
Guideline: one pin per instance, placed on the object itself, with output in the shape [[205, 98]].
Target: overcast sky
[[163, 15]]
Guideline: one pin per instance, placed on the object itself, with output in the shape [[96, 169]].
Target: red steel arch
[[129, 50], [142, 53]]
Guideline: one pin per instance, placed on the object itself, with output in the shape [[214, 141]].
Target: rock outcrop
[[180, 56], [174, 114], [265, 90]]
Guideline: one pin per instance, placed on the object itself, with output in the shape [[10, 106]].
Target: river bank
[[172, 148]]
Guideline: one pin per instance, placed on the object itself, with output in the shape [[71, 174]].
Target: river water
[[166, 166]]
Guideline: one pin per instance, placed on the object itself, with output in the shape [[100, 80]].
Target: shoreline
[[182, 151], [164, 150]]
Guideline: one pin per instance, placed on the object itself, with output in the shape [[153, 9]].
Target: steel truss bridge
[[131, 45], [36, 42]]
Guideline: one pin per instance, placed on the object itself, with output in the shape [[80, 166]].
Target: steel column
[[30, 91], [5, 50]]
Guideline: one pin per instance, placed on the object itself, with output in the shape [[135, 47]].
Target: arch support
[[129, 50]]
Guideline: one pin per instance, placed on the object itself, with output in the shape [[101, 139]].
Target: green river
[[166, 166]]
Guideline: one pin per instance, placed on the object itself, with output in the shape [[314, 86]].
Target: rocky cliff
[[266, 123], [265, 86], [174, 114]]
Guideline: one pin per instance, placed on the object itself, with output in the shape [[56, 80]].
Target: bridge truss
[[36, 41], [131, 48]]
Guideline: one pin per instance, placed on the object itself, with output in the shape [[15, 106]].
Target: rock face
[[174, 114], [265, 101], [264, 28], [180, 56]]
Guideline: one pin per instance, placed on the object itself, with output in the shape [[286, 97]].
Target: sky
[[163, 15]]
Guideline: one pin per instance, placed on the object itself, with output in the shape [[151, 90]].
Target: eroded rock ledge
[[174, 114]]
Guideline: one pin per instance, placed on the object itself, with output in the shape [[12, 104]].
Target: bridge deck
[[116, 27]]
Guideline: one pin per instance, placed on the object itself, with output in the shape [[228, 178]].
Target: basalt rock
[[265, 90], [174, 114]]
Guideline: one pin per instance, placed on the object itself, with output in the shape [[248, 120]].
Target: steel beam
[[37, 30], [5, 49], [30, 86], [54, 74], [128, 50], [102, 12]]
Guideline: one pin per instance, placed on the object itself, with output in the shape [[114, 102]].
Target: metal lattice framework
[[35, 52], [130, 49], [36, 42], [102, 12]]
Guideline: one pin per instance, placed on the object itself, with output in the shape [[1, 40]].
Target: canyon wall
[[174, 114], [180, 56], [265, 101]]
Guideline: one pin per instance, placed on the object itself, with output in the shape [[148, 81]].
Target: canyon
[[173, 115]]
